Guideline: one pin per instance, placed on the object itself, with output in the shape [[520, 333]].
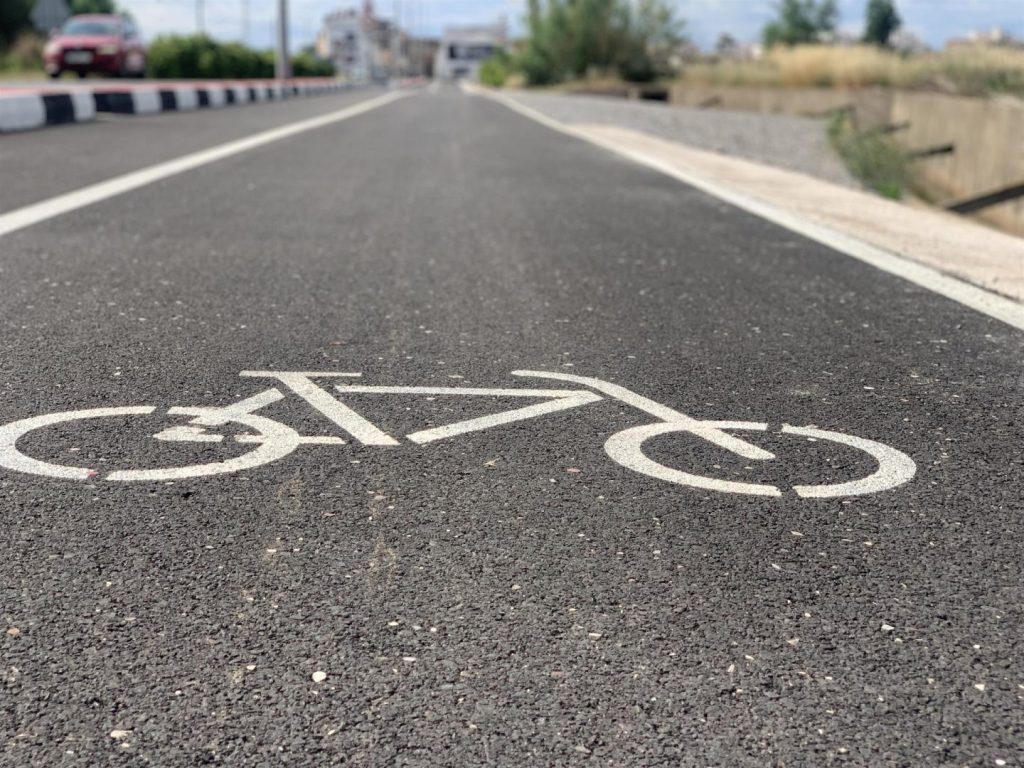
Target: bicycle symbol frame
[[272, 440]]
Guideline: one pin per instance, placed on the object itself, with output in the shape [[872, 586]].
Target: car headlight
[[51, 49], [107, 50]]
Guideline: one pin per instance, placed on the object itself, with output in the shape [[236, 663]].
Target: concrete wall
[[988, 133], [989, 139]]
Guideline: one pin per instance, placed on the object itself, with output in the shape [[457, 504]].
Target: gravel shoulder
[[792, 143]]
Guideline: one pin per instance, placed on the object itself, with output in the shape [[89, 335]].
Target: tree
[[652, 35], [726, 45], [92, 6], [801, 21], [14, 19], [882, 21], [569, 38]]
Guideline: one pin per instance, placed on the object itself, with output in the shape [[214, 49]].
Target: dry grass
[[974, 70]]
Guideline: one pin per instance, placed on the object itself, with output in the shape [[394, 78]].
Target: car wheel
[[81, 74], [55, 75]]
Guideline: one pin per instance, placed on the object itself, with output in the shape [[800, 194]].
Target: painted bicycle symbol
[[271, 440]]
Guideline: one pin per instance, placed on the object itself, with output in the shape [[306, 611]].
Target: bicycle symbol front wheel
[[894, 467]]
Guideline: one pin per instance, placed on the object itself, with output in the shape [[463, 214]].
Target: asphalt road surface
[[510, 595]]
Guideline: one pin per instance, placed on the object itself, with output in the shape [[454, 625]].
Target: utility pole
[[282, 70]]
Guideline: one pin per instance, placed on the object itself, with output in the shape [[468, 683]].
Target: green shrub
[[25, 54], [201, 57], [307, 64], [569, 38], [494, 71], [870, 157]]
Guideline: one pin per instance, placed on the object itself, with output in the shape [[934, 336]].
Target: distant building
[[905, 41], [463, 49], [996, 37], [421, 54], [363, 47]]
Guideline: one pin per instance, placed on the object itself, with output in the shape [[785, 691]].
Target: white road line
[[12, 458], [300, 383], [567, 399], [978, 299], [626, 447], [894, 467], [55, 206], [463, 391], [663, 412], [558, 400]]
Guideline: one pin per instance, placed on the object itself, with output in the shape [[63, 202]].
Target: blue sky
[[934, 20]]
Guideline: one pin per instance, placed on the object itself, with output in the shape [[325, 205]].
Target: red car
[[108, 44]]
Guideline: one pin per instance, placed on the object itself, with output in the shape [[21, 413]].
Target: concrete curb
[[26, 110]]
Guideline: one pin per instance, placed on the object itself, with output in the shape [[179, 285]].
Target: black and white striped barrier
[[21, 111]]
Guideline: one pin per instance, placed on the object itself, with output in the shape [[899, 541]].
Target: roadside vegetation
[[24, 55], [175, 56], [571, 39], [202, 57], [495, 71], [870, 156], [605, 42], [967, 70], [21, 46]]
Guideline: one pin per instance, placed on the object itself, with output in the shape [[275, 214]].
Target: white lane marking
[[213, 417], [505, 417], [303, 439], [12, 458], [558, 400], [276, 441], [626, 447], [978, 299], [307, 374], [368, 388], [185, 434], [301, 384], [894, 467], [663, 412], [55, 206]]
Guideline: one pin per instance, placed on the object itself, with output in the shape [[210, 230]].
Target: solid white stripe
[[991, 304], [55, 206]]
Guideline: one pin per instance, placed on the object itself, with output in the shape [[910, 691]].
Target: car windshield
[[90, 27]]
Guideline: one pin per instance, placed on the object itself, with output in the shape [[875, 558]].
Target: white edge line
[[979, 299], [94, 193]]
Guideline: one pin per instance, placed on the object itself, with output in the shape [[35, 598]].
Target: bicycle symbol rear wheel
[[272, 441]]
